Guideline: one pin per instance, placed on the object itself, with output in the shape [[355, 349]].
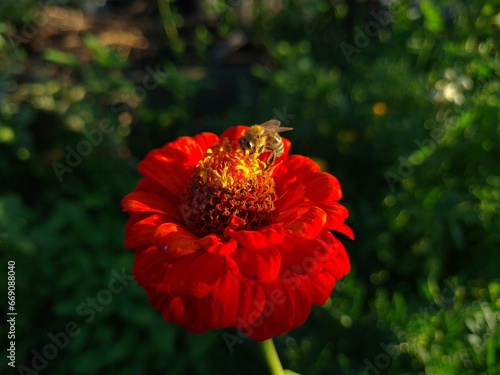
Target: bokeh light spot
[[6, 134], [23, 153], [380, 109]]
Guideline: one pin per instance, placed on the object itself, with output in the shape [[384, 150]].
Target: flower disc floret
[[229, 188]]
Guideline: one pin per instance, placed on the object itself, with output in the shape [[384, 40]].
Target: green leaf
[[60, 57], [433, 20]]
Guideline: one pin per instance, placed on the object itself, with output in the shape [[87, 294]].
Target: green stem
[[169, 25], [273, 361]]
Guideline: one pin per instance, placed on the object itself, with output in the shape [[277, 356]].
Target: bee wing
[[273, 126], [279, 130]]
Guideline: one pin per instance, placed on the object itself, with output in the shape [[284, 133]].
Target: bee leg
[[272, 158]]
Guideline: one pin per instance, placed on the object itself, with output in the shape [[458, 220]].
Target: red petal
[[287, 146], [221, 302], [141, 232], [338, 264], [315, 187], [258, 239], [296, 166], [149, 268], [303, 302], [190, 313], [141, 201], [175, 240], [322, 186], [291, 305], [172, 165], [251, 303], [213, 244], [320, 287], [344, 229], [158, 300], [302, 257], [234, 132], [336, 214], [278, 313], [261, 265], [193, 275], [304, 222], [283, 310], [151, 186], [206, 140], [194, 319], [178, 309], [310, 257]]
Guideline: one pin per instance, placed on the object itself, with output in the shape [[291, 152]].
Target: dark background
[[399, 100]]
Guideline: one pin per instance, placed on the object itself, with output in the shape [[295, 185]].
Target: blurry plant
[[358, 120], [462, 338]]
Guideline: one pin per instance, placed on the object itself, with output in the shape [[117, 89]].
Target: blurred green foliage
[[406, 114]]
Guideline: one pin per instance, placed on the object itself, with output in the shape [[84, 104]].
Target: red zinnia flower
[[221, 241]]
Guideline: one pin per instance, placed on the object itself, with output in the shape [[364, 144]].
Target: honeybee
[[264, 137]]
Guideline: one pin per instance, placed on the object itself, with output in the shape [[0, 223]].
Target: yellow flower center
[[229, 188]]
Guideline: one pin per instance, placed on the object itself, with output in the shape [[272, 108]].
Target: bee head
[[245, 143]]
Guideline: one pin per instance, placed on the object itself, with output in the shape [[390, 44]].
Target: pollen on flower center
[[228, 188]]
